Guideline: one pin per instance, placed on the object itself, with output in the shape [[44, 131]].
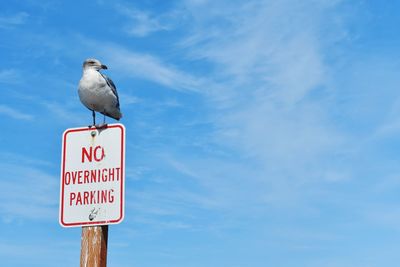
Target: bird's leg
[[94, 118], [104, 124]]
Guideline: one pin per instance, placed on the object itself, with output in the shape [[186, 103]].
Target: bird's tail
[[116, 114]]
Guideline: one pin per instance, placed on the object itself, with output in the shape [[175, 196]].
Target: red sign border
[[63, 152]]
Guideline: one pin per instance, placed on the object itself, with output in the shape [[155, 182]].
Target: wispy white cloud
[[11, 21], [14, 113], [27, 252], [16, 158], [9, 76], [149, 67], [264, 50], [65, 113], [28, 192], [141, 23], [127, 99], [268, 66]]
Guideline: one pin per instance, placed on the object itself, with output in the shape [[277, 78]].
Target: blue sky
[[259, 133]]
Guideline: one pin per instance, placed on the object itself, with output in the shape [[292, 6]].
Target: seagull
[[98, 92]]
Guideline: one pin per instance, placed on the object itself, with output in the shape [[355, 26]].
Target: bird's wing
[[112, 86]]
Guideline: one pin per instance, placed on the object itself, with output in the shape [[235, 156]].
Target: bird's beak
[[104, 67]]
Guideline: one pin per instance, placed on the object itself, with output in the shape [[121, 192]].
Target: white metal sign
[[92, 176]]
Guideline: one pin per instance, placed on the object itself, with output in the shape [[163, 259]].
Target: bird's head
[[92, 63]]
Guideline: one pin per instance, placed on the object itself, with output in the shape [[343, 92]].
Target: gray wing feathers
[[111, 84]]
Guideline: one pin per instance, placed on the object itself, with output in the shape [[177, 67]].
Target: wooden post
[[94, 246]]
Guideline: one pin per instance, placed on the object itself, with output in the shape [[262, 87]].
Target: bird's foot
[[101, 126]]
